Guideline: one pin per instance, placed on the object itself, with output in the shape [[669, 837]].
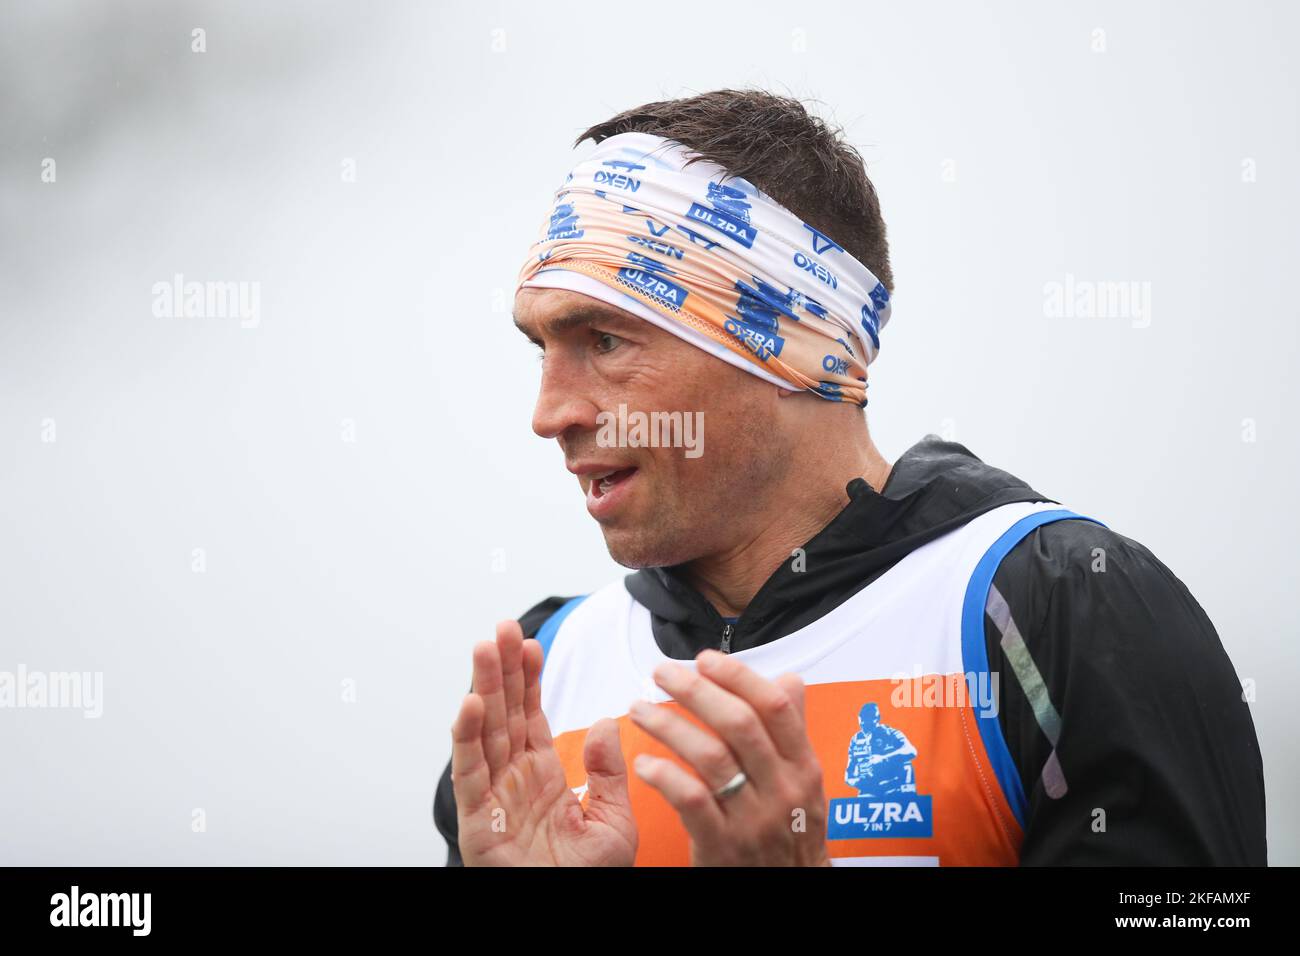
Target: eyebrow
[[578, 316]]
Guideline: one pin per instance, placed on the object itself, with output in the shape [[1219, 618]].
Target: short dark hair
[[772, 141]]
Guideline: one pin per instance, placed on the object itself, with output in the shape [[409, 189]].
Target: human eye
[[607, 342]]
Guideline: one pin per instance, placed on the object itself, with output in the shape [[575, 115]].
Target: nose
[[562, 400]]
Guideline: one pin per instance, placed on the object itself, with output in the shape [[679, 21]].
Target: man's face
[[656, 506]]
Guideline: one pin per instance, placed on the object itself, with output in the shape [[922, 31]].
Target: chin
[[635, 550]]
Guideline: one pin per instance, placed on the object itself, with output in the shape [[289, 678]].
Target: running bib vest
[[900, 705]]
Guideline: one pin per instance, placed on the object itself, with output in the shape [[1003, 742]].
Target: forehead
[[542, 312]]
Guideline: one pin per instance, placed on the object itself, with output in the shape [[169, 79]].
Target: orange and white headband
[[710, 258]]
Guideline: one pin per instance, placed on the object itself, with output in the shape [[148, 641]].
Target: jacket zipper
[[726, 639]]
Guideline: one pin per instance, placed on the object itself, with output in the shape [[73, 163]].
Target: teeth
[[601, 480]]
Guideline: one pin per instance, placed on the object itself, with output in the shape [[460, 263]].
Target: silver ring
[[731, 786]]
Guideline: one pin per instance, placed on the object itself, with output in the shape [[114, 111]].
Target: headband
[[715, 261]]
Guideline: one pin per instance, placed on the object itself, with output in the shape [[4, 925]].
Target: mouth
[[606, 489], [602, 483]]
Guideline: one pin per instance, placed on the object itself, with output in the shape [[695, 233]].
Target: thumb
[[602, 756]]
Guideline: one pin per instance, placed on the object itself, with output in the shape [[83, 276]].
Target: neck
[[729, 579]]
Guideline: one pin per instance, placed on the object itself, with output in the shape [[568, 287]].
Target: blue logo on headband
[[763, 342], [835, 364], [819, 271], [757, 324], [564, 223], [822, 242], [871, 312], [728, 214], [698, 238], [880, 295], [762, 302], [662, 248], [814, 307], [616, 179], [651, 279]]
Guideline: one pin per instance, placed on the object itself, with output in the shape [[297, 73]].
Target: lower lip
[[608, 503]]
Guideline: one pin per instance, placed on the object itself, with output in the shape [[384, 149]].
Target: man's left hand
[[778, 815]]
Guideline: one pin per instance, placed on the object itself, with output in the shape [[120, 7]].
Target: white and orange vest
[[900, 706]]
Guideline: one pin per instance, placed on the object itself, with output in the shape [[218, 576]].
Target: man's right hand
[[513, 805]]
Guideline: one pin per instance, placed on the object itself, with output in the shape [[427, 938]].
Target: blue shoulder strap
[[974, 650], [546, 633]]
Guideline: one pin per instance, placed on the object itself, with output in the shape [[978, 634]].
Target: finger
[[793, 685], [706, 753], [730, 716], [489, 685], [510, 645], [686, 793], [539, 729], [773, 704], [602, 758], [471, 780]]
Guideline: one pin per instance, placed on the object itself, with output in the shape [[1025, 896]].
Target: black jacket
[[1153, 726]]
